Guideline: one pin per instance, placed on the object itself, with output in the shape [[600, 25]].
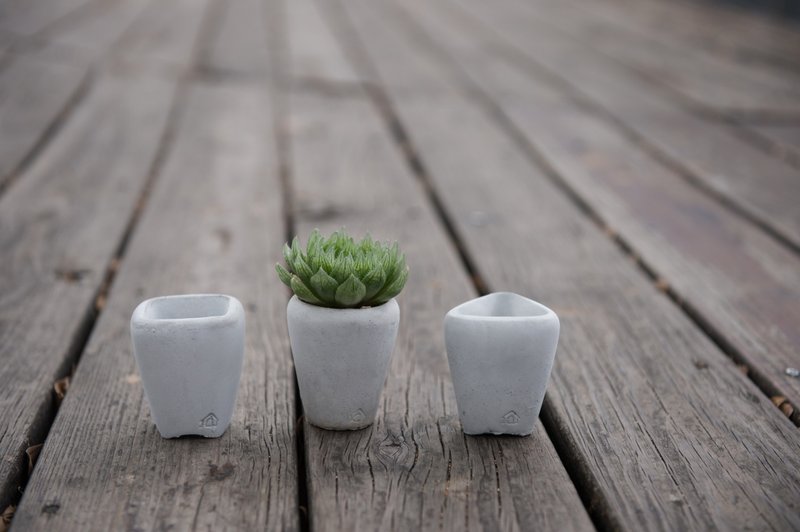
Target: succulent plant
[[339, 272]]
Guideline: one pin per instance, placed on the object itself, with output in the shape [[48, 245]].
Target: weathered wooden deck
[[635, 165]]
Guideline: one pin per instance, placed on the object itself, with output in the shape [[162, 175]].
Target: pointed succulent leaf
[[303, 292], [301, 269], [284, 275], [373, 281], [339, 271], [391, 289], [351, 292], [287, 255], [324, 286]]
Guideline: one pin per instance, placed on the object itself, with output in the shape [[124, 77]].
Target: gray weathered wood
[[658, 425], [34, 95], [87, 38], [689, 70], [710, 154], [163, 36], [785, 136], [744, 37], [239, 44], [742, 283], [28, 17], [314, 54], [413, 469], [60, 225], [212, 224]]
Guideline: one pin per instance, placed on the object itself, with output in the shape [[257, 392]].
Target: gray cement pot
[[189, 350], [500, 348], [341, 357]]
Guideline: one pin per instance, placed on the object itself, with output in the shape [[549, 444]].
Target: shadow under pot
[[500, 348], [189, 350], [341, 357]]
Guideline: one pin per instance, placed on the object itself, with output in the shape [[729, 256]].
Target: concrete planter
[[189, 350], [500, 348], [341, 357]]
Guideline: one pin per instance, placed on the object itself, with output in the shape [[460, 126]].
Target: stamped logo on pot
[[209, 421], [511, 418], [358, 416]]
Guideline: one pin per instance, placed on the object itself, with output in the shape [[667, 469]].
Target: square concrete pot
[[189, 350], [500, 348], [341, 357]]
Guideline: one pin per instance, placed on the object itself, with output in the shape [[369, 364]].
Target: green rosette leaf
[[351, 292]]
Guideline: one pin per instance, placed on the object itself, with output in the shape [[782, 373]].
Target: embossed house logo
[[511, 418], [358, 416], [209, 421]]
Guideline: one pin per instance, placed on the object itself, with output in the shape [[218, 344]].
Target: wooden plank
[[28, 17], [89, 37], [785, 136], [104, 466], [60, 226], [748, 38], [706, 79], [658, 425], [313, 52], [741, 283], [414, 469], [711, 155], [163, 36], [239, 47], [35, 94]]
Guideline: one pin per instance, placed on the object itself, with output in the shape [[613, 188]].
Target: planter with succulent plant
[[343, 322], [500, 348]]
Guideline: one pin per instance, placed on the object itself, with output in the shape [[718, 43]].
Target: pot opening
[[187, 307], [503, 305]]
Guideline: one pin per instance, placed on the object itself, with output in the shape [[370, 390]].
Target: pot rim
[[542, 313], [147, 312], [339, 311]]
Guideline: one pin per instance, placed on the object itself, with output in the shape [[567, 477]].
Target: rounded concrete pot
[[341, 357], [500, 348], [189, 350]]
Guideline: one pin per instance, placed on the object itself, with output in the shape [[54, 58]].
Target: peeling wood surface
[[631, 163]]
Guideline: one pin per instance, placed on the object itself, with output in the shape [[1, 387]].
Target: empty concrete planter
[[189, 350], [501, 349], [341, 357]]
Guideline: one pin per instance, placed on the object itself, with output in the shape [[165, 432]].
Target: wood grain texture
[[28, 17], [34, 94], [212, 224], [743, 37], [314, 54], [661, 429], [163, 36], [413, 469], [239, 44], [708, 154], [700, 77], [88, 38], [785, 136], [57, 244], [742, 283]]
